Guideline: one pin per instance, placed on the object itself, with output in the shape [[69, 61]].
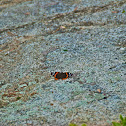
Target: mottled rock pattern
[[86, 38]]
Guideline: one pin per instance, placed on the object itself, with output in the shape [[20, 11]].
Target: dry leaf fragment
[[62, 27], [27, 13], [115, 11], [51, 104], [75, 8], [99, 90]]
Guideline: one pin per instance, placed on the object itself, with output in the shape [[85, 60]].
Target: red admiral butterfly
[[61, 75]]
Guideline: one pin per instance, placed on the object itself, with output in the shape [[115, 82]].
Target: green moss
[[65, 50], [123, 11], [83, 125], [71, 124], [18, 98], [121, 123]]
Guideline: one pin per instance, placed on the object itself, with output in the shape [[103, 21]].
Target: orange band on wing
[[64, 78], [56, 79], [56, 74], [66, 75]]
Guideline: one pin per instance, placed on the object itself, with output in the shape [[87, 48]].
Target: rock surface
[[83, 37]]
